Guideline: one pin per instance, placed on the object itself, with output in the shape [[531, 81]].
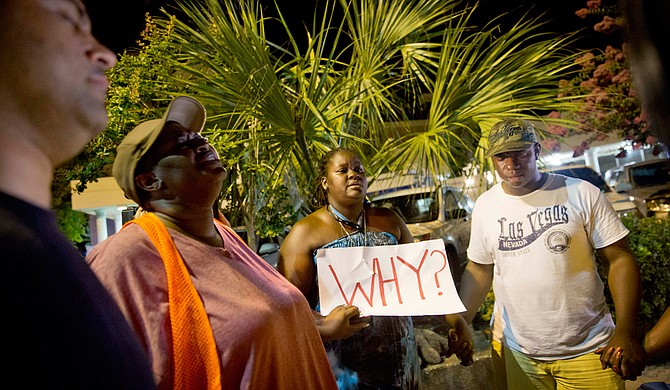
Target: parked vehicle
[[430, 212], [623, 204], [646, 181], [612, 176]]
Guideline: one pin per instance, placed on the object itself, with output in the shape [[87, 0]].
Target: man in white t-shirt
[[534, 235]]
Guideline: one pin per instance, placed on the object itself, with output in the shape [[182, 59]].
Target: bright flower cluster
[[603, 83]]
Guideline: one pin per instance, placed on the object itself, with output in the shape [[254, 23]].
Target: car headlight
[[635, 212], [657, 205], [422, 237]]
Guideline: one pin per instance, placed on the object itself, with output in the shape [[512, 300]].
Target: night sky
[[118, 24]]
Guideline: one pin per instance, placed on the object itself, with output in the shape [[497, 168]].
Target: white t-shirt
[[549, 298]]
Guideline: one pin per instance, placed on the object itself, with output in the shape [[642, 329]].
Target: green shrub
[[486, 310], [650, 241]]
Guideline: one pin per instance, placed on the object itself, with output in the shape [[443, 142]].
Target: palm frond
[[483, 77]]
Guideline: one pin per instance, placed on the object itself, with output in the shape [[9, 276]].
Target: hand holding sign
[[406, 279], [341, 322]]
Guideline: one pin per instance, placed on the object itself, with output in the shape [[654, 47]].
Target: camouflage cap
[[511, 135]]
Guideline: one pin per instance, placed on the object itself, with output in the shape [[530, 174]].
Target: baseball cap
[[511, 135], [184, 110]]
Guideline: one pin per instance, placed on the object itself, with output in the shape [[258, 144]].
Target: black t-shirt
[[60, 327]]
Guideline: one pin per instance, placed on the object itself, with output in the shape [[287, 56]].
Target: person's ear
[[148, 181], [538, 150], [323, 184]]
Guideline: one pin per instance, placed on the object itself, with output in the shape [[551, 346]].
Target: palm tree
[[274, 110], [481, 78]]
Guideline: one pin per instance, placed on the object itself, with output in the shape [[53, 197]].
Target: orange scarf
[[196, 361]]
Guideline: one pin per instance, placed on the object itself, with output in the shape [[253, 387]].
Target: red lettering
[[382, 281], [444, 265], [417, 271], [358, 287]]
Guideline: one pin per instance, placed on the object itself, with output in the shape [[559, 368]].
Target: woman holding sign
[[373, 352]]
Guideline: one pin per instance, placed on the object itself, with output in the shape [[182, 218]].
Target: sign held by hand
[[393, 280]]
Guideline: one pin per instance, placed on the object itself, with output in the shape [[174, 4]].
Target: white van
[[430, 212], [648, 182]]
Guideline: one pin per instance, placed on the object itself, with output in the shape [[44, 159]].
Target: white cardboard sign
[[393, 280]]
